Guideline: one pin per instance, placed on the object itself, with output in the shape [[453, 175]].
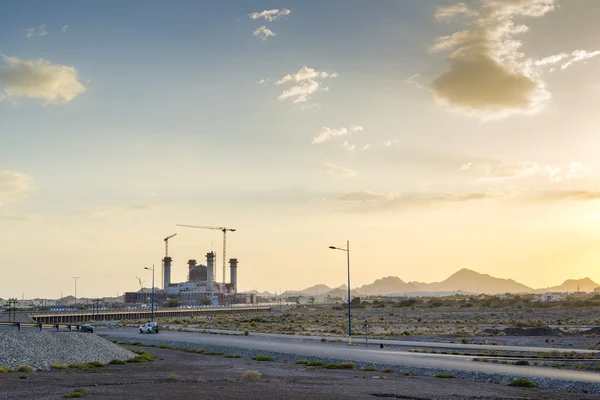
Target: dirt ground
[[180, 375]]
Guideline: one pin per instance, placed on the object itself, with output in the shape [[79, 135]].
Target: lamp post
[[75, 278], [152, 269], [347, 250]]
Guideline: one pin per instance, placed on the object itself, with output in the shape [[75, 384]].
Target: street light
[[76, 277], [347, 250], [152, 269]]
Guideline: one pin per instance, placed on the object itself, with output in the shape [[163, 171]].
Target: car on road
[[149, 327], [86, 328]]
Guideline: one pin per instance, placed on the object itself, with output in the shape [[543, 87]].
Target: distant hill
[[342, 291], [387, 285], [474, 282], [573, 285]]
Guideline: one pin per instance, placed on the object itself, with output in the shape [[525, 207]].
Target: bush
[[25, 368], [233, 356], [246, 333], [346, 365], [303, 362], [315, 363], [369, 368], [74, 394], [251, 375], [95, 364], [387, 370], [173, 377], [262, 358], [197, 351], [445, 376], [522, 362], [116, 362], [23, 377], [213, 353], [4, 370], [323, 339], [58, 365], [522, 382], [142, 356], [79, 366]]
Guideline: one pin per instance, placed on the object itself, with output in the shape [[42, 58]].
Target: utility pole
[[75, 278]]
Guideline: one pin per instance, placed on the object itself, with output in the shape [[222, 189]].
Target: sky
[[433, 135]]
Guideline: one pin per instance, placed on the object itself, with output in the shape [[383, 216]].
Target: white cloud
[[263, 81], [447, 13], [489, 77], [264, 33], [412, 80], [270, 15], [329, 133], [39, 31], [494, 171], [348, 146], [368, 146], [39, 79], [14, 186], [580, 55], [64, 28], [367, 201], [339, 171], [307, 83]]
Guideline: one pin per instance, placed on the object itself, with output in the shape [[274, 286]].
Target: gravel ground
[[555, 384], [40, 349], [185, 376]]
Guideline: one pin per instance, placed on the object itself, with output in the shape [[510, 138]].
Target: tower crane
[[141, 282], [162, 275], [216, 228]]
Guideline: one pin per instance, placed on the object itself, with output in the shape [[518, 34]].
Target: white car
[[149, 327]]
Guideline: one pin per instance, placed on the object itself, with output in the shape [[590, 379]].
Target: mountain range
[[465, 280]]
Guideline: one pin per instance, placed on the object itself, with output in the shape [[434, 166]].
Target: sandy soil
[[179, 375]]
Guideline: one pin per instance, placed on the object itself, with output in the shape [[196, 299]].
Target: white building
[[544, 297]]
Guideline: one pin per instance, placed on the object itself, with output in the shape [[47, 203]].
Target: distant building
[[547, 297]]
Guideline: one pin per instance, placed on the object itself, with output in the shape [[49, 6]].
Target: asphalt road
[[413, 343], [356, 353]]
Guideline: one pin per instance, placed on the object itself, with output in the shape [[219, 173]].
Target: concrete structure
[[166, 272], [210, 269], [233, 264], [199, 289]]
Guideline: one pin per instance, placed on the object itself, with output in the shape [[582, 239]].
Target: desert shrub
[[522, 382], [387, 370], [79, 366], [323, 339], [445, 376], [4, 370], [95, 364], [74, 394], [315, 363], [142, 356], [23, 377], [251, 375], [213, 353], [116, 361], [369, 368], [345, 365], [246, 333], [522, 362], [173, 377], [303, 362], [262, 357], [25, 368], [58, 365]]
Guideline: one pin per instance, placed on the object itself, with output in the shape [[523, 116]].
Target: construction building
[[200, 288]]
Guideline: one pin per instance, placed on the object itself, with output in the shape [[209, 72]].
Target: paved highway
[[356, 353], [412, 343]]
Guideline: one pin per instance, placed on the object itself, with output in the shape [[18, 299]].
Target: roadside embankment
[[41, 349], [502, 378]]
